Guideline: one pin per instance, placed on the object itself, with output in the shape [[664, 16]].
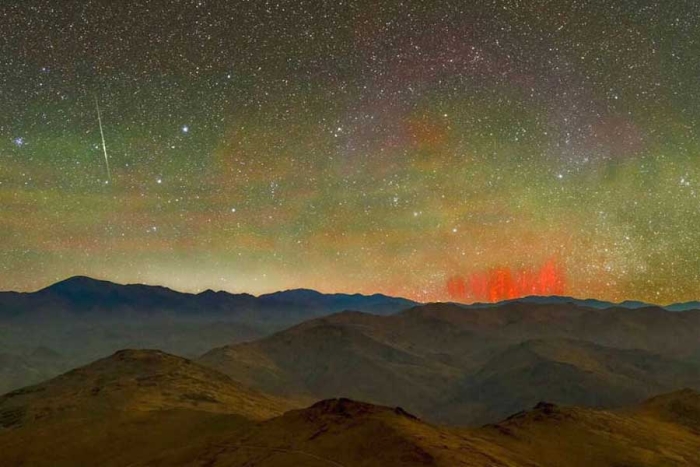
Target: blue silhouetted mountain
[[80, 295], [687, 306], [588, 302], [377, 304]]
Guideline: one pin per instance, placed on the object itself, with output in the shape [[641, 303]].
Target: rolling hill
[[147, 408], [134, 403], [551, 435], [135, 380], [570, 372], [460, 366]]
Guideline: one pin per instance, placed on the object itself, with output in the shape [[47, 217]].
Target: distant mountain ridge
[[83, 291], [590, 303], [80, 294]]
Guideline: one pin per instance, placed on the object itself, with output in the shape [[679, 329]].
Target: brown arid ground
[[139, 408]]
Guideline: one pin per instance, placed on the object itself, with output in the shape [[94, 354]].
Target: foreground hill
[[105, 410], [350, 433], [147, 408], [551, 435], [337, 432], [135, 380], [459, 365]]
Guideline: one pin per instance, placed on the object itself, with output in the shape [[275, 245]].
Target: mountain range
[[462, 366], [591, 303], [81, 319], [295, 378], [450, 363], [87, 297]]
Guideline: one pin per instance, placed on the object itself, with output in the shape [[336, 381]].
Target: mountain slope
[[567, 372], [31, 368], [551, 435], [451, 364], [135, 380], [342, 432], [350, 433], [147, 408], [118, 410], [336, 357], [346, 433], [650, 328], [681, 407], [88, 318]]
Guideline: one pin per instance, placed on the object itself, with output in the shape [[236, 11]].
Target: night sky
[[438, 150]]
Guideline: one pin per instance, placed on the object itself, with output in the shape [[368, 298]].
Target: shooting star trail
[[104, 145]]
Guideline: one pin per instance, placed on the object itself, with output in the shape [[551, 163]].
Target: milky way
[[440, 150]]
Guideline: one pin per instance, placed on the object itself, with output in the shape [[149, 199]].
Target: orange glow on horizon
[[503, 283]]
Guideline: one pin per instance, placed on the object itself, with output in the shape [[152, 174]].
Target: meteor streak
[[104, 145]]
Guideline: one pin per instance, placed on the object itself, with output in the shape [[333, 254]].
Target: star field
[[439, 150]]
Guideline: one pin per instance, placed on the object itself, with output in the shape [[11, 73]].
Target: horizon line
[[272, 292]]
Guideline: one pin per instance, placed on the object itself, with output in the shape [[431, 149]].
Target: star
[[490, 144]]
